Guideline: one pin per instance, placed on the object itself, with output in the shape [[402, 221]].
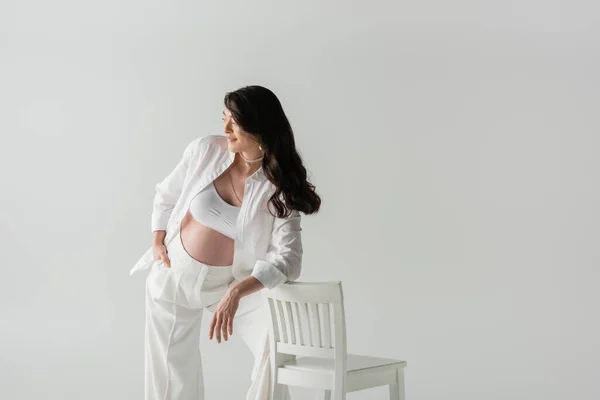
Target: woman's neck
[[241, 166]]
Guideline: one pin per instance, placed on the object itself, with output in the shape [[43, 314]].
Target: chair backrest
[[307, 319]]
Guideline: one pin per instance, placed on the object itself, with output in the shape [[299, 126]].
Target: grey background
[[454, 145]]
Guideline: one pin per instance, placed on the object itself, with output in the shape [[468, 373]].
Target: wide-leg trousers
[[175, 300]]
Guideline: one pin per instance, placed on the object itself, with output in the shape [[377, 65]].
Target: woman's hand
[[222, 320], [160, 252]]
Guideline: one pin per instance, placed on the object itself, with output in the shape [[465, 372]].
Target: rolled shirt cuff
[[268, 274], [159, 222]]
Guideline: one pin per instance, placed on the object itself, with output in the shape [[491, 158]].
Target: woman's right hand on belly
[[160, 252]]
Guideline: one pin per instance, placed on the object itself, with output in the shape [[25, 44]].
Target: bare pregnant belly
[[204, 244]]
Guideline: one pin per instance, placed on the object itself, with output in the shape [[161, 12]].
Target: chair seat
[[354, 363]]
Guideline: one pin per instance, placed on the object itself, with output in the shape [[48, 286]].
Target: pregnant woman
[[226, 226]]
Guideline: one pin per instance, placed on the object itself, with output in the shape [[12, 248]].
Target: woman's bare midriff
[[205, 244]]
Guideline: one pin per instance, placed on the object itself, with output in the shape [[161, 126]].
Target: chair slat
[[287, 315], [332, 324], [305, 324], [326, 324], [314, 324], [297, 326], [273, 313], [280, 324]]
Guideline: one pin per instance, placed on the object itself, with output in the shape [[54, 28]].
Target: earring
[[259, 147]]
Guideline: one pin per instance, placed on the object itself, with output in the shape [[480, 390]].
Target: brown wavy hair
[[258, 111]]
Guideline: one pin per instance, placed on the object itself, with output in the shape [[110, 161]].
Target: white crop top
[[208, 208]]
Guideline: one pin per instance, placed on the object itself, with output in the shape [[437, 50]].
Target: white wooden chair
[[307, 320]]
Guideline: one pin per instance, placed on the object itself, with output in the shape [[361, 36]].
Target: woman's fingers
[[224, 325], [211, 329], [161, 253], [166, 260], [215, 326], [218, 328], [221, 326]]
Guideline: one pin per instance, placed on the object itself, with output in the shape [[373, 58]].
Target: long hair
[[258, 111]]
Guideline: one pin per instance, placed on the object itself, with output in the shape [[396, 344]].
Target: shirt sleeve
[[283, 260], [169, 189]]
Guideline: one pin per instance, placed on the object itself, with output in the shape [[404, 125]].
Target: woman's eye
[[232, 121]]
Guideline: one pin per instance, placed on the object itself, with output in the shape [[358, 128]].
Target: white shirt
[[266, 247]]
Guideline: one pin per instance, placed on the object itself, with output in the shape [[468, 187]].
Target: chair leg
[[338, 395], [281, 392], [324, 395], [397, 388]]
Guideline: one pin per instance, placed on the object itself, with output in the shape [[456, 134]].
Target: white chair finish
[[308, 321]]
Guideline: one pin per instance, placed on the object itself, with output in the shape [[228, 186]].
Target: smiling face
[[238, 140]]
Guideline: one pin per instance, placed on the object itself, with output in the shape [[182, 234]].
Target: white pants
[[175, 300]]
